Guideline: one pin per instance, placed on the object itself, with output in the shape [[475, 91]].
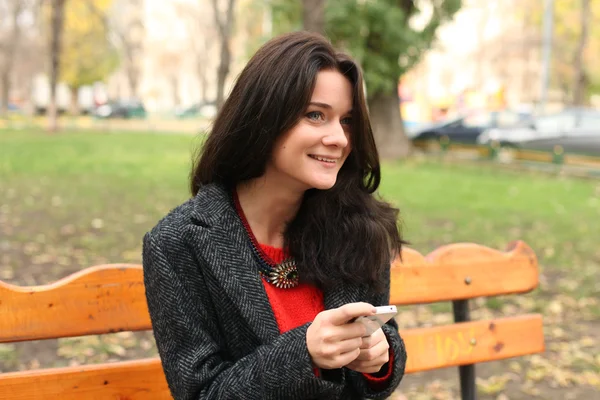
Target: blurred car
[[121, 109], [11, 107], [576, 130], [206, 110], [466, 128]]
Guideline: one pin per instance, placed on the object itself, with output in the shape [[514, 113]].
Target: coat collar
[[211, 203]]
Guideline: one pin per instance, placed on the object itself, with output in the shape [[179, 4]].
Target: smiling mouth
[[324, 159]]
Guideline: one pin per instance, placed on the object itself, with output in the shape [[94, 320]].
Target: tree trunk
[[133, 52], [580, 87], [12, 42], [313, 15], [175, 90], [224, 28], [129, 36], [525, 55], [57, 21], [5, 87], [74, 109], [388, 129], [132, 78], [201, 71], [222, 72]]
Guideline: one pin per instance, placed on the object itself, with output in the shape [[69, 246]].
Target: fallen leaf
[[587, 342], [515, 367], [555, 307], [492, 385]]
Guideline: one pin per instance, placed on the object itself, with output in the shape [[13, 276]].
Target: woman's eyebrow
[[326, 106]]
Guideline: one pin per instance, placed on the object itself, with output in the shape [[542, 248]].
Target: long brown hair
[[341, 235]]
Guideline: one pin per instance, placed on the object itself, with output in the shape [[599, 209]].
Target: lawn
[[73, 200]]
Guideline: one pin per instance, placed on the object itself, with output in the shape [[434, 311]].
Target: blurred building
[[181, 48], [488, 57]]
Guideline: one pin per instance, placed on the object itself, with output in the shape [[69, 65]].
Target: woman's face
[[311, 153]]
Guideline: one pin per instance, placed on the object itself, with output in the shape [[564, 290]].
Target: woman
[[253, 284]]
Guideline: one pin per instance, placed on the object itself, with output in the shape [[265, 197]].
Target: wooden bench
[[110, 298]]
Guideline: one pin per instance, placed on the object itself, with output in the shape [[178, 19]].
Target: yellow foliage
[[567, 31], [87, 54]]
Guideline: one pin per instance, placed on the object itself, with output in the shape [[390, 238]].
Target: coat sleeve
[[383, 390], [186, 334]]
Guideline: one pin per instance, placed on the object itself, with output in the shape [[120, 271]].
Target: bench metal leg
[[468, 389]]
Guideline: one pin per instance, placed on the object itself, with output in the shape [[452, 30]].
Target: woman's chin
[[323, 184]]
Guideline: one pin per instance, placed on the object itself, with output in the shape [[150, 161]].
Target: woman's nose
[[337, 136]]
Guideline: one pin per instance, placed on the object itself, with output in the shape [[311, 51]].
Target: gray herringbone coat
[[214, 327]]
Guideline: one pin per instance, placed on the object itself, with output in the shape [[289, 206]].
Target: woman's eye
[[315, 115], [347, 121]]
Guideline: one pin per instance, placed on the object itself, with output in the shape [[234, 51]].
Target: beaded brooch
[[283, 275]]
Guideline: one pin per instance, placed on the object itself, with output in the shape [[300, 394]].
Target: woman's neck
[[268, 208]]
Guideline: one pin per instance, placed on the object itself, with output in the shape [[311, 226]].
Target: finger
[[349, 345], [348, 331], [376, 363], [368, 342], [345, 313], [347, 358], [373, 339], [366, 367], [376, 337], [377, 352], [354, 365]]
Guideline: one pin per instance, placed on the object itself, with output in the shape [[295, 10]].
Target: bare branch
[[217, 13]]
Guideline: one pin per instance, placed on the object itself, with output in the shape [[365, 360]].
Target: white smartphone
[[376, 321]]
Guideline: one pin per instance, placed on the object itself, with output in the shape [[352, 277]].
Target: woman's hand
[[374, 353], [332, 341]]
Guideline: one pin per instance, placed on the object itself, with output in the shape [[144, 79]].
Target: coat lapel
[[229, 259]]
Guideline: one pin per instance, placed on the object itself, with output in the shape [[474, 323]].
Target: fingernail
[[373, 310]]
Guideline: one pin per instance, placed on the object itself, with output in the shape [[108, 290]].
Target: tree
[[87, 54], [57, 12], [201, 35], [592, 53], [313, 15], [575, 47], [564, 47], [127, 25], [224, 22], [506, 59], [9, 45], [581, 78], [169, 62], [382, 36]]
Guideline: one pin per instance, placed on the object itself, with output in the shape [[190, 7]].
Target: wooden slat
[[101, 299], [462, 271], [473, 342], [131, 380], [427, 348], [110, 298]]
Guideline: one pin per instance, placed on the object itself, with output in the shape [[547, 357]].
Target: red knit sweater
[[297, 306]]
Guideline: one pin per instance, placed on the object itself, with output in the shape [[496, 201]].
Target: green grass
[[71, 181], [464, 203]]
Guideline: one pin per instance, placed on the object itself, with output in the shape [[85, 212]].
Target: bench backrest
[[110, 298]]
